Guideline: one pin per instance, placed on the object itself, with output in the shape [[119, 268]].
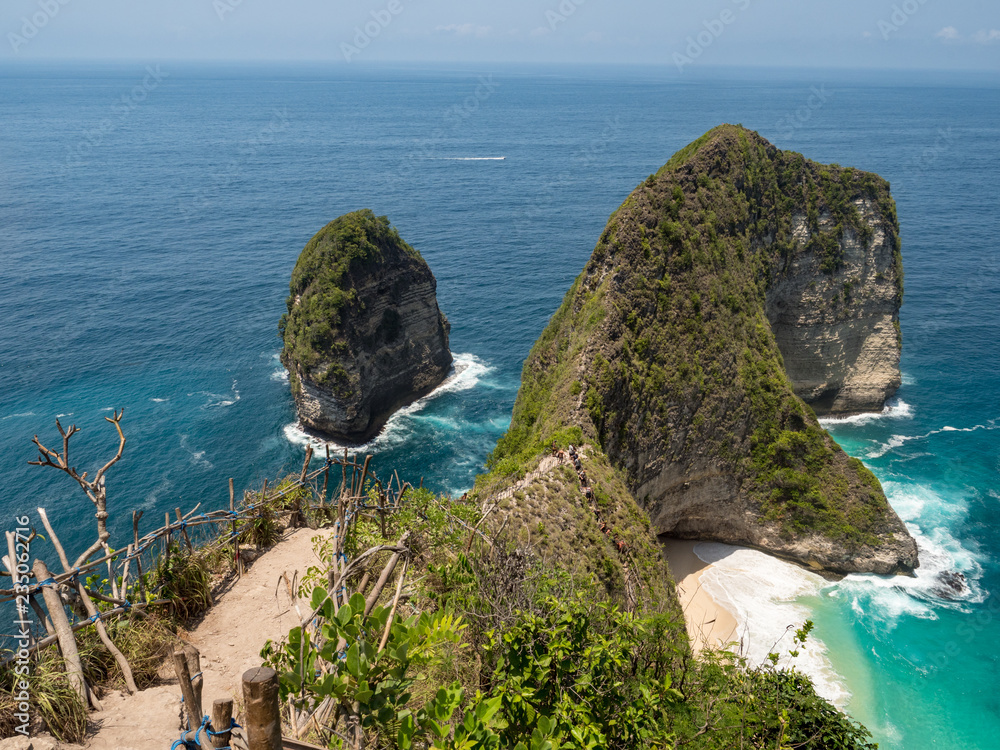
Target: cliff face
[[733, 263], [363, 335], [838, 331]]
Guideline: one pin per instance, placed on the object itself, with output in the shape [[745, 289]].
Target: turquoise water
[[147, 248]]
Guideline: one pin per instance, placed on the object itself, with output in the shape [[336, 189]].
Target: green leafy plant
[[183, 579]]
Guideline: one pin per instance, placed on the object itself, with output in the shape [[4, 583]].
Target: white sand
[[709, 623]]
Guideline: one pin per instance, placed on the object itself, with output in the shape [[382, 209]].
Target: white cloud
[[987, 37], [595, 37], [948, 33], [541, 31], [465, 29]]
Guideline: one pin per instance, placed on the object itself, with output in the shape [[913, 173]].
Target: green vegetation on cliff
[[662, 347], [320, 287], [492, 646]]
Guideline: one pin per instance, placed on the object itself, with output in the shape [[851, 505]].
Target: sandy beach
[[709, 624]]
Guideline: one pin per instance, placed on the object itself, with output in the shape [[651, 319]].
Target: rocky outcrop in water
[[363, 334], [731, 285]]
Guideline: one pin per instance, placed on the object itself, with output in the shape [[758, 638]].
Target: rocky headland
[[735, 294], [363, 335]]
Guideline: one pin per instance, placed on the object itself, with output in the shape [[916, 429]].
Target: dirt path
[[229, 638]]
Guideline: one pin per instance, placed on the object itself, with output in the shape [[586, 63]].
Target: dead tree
[[95, 488]]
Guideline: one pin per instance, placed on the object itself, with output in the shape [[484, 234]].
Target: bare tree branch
[[95, 489]]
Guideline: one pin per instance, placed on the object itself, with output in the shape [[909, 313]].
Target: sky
[[866, 34]]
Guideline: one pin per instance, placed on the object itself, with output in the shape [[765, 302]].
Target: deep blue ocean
[[150, 219]]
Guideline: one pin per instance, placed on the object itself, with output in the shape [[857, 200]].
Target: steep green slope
[[663, 355]]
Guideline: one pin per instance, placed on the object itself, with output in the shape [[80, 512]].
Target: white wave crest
[[159, 400], [218, 400], [472, 158], [761, 592], [898, 440], [197, 457], [18, 416], [279, 373], [895, 408], [942, 557]]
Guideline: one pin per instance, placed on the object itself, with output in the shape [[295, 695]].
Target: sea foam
[[466, 373], [897, 441], [761, 592], [895, 408]]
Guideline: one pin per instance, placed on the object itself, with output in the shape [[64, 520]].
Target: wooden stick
[[42, 618], [67, 642], [222, 719], [91, 610], [298, 519], [364, 475], [236, 542], [395, 603], [125, 573], [305, 464], [112, 578], [11, 562], [136, 517], [192, 706], [293, 717], [326, 478], [166, 522], [386, 572], [343, 468], [291, 593], [263, 711], [187, 539], [193, 659]]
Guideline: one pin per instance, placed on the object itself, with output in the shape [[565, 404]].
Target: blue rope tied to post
[[232, 725], [188, 742]]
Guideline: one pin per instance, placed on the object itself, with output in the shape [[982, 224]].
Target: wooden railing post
[[263, 712], [187, 539], [136, 517], [236, 541], [192, 704], [326, 478], [222, 719], [298, 518], [60, 623]]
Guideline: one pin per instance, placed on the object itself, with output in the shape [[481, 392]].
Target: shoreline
[[747, 601], [710, 624]]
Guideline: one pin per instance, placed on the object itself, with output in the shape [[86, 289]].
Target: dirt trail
[[229, 638]]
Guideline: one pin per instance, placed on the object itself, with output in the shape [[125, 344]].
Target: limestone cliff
[[363, 335], [838, 328], [734, 279]]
